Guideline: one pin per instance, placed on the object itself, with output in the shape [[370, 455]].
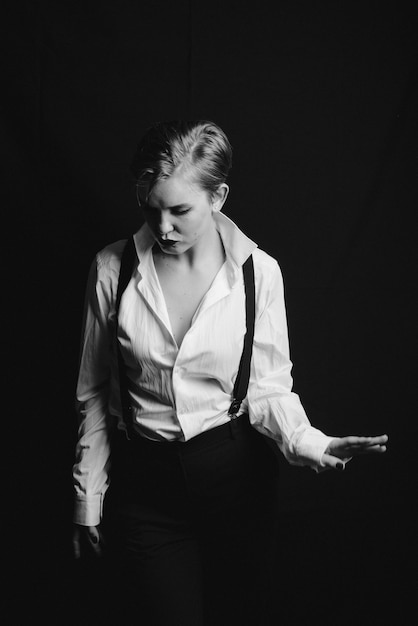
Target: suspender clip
[[233, 409]]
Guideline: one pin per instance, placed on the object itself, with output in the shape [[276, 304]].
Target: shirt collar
[[237, 245]]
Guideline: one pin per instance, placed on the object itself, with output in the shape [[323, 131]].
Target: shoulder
[[264, 260], [108, 258], [104, 272], [268, 278], [266, 267]]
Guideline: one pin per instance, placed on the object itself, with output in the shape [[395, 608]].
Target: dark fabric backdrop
[[320, 103]]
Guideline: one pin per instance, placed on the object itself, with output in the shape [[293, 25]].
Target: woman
[[193, 487]]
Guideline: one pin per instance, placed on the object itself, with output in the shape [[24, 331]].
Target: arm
[[275, 410], [90, 470]]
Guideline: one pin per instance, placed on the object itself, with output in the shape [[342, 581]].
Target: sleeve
[[274, 409], [90, 470]]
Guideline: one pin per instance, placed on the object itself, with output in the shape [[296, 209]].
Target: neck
[[205, 250]]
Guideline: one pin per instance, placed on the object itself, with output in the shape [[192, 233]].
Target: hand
[[87, 538], [342, 449]]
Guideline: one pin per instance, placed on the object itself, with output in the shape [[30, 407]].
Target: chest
[[183, 295]]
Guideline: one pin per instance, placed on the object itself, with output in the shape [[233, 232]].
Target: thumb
[[76, 543], [333, 462], [94, 539]]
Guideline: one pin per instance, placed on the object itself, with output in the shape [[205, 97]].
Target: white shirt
[[178, 393]]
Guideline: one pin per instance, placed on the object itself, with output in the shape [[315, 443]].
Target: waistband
[[233, 429]]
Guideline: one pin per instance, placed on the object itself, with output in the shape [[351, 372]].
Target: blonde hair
[[200, 147]]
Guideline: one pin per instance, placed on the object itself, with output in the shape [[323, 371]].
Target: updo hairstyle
[[200, 148]]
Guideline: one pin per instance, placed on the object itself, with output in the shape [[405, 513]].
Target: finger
[[353, 441], [356, 445], [333, 462], [102, 539], [373, 449], [375, 441], [348, 453], [362, 446], [76, 547], [93, 536]]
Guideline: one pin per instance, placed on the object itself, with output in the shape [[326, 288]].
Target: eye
[[180, 211]]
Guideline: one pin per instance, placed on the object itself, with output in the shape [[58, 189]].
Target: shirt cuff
[[311, 447], [88, 510]]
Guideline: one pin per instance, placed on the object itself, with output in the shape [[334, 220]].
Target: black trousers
[[193, 529]]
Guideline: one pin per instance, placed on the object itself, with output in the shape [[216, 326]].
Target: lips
[[167, 242]]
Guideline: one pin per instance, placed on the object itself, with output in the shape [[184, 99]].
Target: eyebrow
[[183, 205]]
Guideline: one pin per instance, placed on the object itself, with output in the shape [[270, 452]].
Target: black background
[[319, 101]]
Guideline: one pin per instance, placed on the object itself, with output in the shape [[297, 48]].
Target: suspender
[[243, 376], [125, 273]]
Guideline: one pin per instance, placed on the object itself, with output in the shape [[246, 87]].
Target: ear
[[142, 190], [220, 197]]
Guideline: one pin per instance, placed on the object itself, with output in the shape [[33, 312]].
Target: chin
[[174, 250]]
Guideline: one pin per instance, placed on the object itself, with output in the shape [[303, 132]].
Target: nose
[[164, 225]]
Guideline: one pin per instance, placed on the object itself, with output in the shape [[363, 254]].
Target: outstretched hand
[[342, 449]]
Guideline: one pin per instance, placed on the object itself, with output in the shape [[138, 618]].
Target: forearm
[[90, 470], [274, 408], [282, 417]]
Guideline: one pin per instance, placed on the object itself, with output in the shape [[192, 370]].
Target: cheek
[[193, 230]]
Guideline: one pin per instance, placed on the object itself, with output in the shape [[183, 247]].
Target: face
[[180, 214]]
